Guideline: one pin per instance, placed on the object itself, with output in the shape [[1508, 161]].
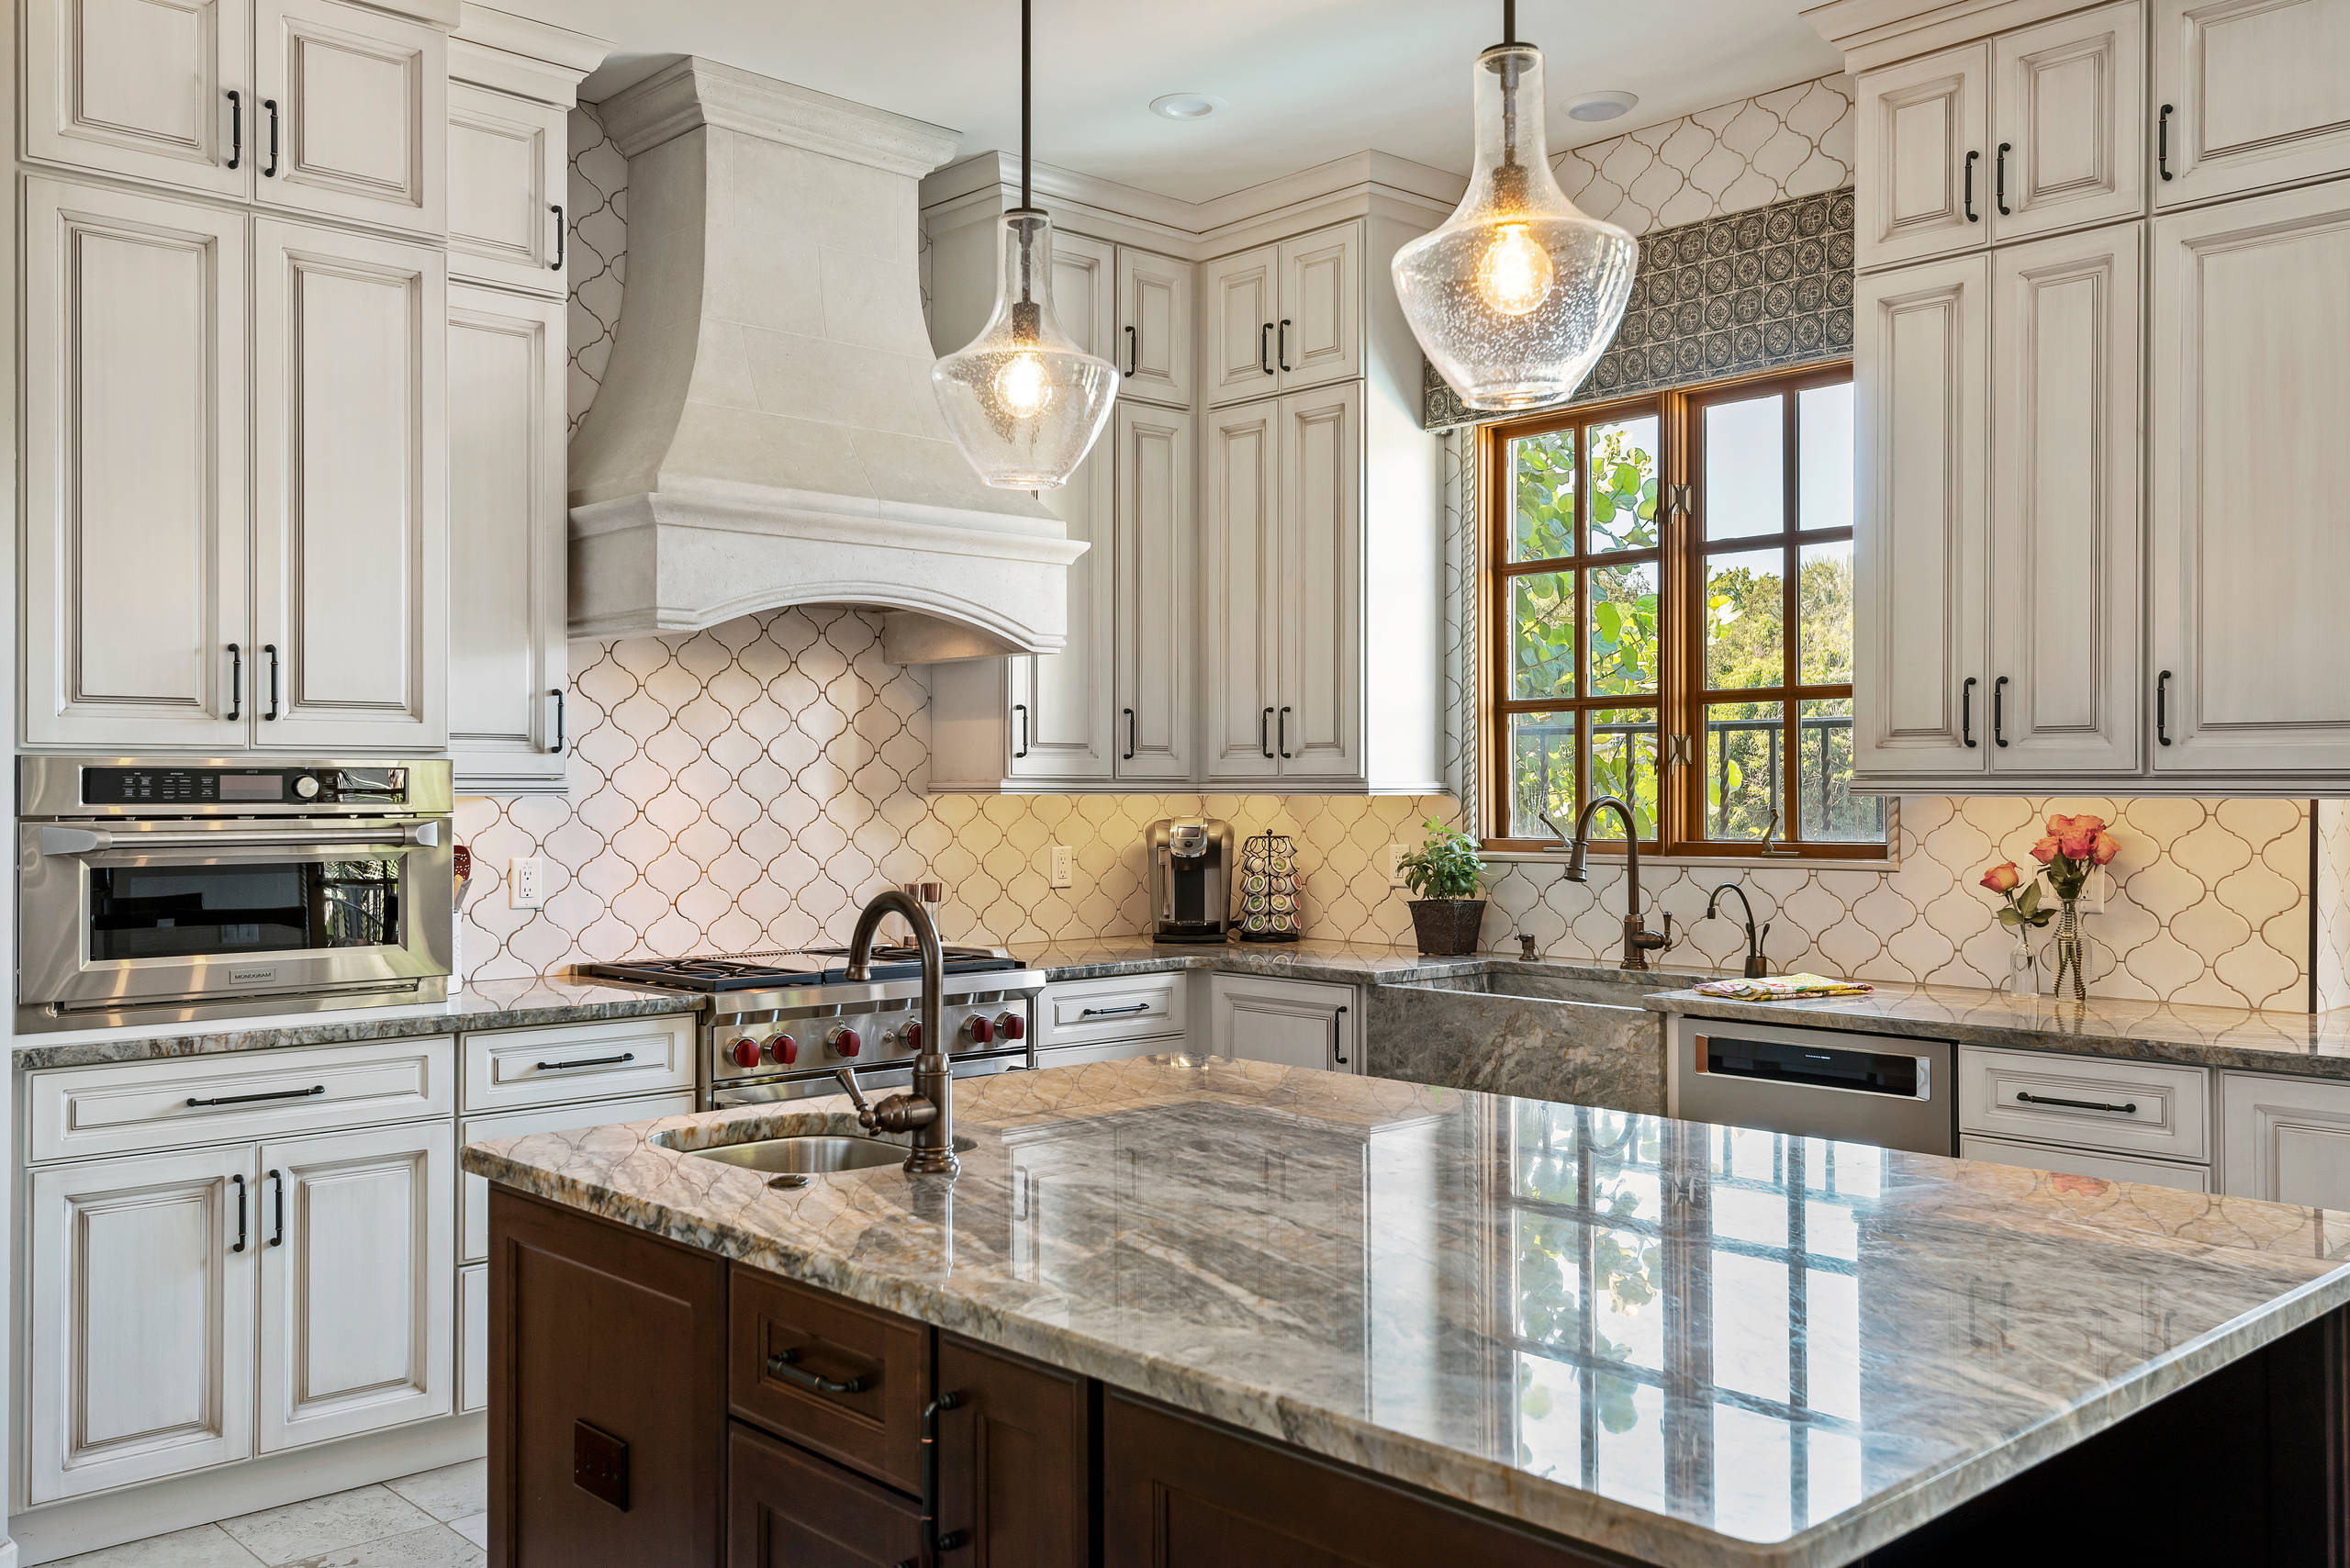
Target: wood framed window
[[1666, 618]]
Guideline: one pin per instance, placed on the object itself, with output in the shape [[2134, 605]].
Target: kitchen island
[[1205, 1312]]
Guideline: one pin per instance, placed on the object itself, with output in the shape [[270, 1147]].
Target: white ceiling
[[1303, 81]]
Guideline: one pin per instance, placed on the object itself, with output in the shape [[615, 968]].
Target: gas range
[[778, 1025]]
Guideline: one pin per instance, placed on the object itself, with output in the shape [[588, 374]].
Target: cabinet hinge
[[1680, 497]]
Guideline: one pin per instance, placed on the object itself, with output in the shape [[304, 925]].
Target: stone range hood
[[765, 433]]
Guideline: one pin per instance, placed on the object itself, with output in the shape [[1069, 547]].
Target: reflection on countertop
[[1691, 1345]]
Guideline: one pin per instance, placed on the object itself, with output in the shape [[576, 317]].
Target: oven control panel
[[763, 1045], [233, 786]]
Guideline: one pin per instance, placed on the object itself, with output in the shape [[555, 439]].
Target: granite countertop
[[1356, 963], [1396, 1277], [2310, 1045]]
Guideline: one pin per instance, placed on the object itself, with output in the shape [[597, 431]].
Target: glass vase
[[2023, 970], [2072, 958]]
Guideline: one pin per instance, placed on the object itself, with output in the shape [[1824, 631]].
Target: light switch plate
[[1064, 866], [526, 882]]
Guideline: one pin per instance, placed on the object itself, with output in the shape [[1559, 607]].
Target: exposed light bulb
[[1514, 275], [1022, 386]]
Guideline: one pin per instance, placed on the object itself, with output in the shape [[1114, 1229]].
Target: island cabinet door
[[1014, 1478], [785, 1509], [1176, 1493]]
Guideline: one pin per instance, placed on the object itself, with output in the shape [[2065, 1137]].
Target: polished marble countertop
[[1694, 1346]]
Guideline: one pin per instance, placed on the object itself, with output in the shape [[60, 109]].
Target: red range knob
[[980, 1029], [745, 1053], [783, 1050], [912, 1034], [1012, 1026], [844, 1042]]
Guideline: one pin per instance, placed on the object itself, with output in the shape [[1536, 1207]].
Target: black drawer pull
[[271, 105], [250, 1099], [562, 232], [784, 1364], [236, 681], [2162, 142], [2024, 1097], [584, 1061], [277, 1237], [236, 127], [240, 1246], [1114, 1012], [1971, 216]]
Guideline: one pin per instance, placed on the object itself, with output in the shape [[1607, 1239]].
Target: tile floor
[[436, 1519]]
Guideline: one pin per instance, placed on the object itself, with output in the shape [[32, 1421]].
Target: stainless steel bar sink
[[812, 1154]]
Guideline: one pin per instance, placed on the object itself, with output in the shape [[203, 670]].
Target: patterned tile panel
[[1732, 157], [2332, 894], [598, 255]]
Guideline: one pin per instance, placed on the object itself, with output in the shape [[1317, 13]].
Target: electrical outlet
[[1395, 852], [1064, 866], [2093, 895], [526, 882]]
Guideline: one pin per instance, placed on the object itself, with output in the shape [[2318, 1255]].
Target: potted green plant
[[1445, 873]]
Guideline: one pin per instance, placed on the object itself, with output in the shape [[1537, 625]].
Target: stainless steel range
[[777, 1025]]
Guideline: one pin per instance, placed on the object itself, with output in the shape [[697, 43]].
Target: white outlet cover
[[1064, 866], [526, 882]]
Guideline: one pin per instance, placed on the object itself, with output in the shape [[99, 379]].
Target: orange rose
[[2046, 849], [2077, 844], [2105, 848], [2002, 878]]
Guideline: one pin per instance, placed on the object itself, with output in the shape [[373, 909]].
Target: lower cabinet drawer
[[474, 1241], [1123, 1007], [473, 1338], [785, 1509], [843, 1379], [2079, 1162], [509, 1069], [2102, 1102]]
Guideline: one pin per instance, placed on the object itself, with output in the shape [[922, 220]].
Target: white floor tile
[[434, 1546], [474, 1528], [205, 1546], [449, 1492], [300, 1530]]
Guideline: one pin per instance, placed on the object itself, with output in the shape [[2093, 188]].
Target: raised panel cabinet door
[[1922, 698], [1318, 337], [140, 1289], [1014, 1467], [1153, 617], [360, 126], [136, 522], [2068, 122], [508, 533], [2250, 396], [154, 90], [1923, 147], [1060, 703], [351, 493], [506, 188], [1292, 1023], [787, 1509], [2065, 522], [1317, 727], [2248, 94], [357, 1235], [1154, 331], [2286, 1139], [1240, 305], [1245, 594]]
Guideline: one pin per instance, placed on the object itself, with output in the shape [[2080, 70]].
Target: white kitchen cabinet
[[1242, 560], [354, 119], [473, 1338], [1150, 571], [2284, 1139], [1114, 1009], [472, 1227], [351, 493], [158, 90], [1154, 344], [136, 528], [508, 159], [508, 533], [358, 1249], [2250, 402], [2248, 94], [140, 1287], [2080, 1162], [2068, 122], [1292, 1023], [1317, 723], [1284, 316], [1241, 300], [1922, 142]]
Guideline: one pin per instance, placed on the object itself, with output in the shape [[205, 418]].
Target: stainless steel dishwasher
[[1830, 1083]]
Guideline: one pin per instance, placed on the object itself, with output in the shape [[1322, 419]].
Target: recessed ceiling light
[[1185, 106], [1609, 105]]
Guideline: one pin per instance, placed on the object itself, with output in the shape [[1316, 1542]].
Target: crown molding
[[1878, 32], [543, 42], [695, 92]]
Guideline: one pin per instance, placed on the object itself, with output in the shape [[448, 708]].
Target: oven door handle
[[76, 841]]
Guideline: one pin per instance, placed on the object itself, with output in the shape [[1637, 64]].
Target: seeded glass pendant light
[[1023, 401], [1515, 296]]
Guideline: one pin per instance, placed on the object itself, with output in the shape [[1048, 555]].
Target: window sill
[[1602, 858]]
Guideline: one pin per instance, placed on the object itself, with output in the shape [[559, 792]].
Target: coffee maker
[[1191, 879]]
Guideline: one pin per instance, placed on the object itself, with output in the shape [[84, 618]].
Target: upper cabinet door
[[2065, 690], [152, 89], [1241, 297], [360, 126], [1155, 328], [357, 1236], [2068, 115], [1152, 681], [1241, 512], [2248, 94], [351, 493], [2249, 556], [508, 534], [1921, 703], [507, 177], [135, 525], [1924, 150], [1319, 727], [1085, 293], [1318, 337], [1060, 702]]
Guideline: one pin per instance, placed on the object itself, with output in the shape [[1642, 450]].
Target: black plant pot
[[1447, 927]]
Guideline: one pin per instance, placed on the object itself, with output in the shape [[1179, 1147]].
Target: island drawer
[[831, 1374], [2080, 1162], [2130, 1107], [1123, 1007], [507, 1069], [229, 1098]]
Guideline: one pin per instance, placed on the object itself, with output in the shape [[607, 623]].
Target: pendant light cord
[[1509, 20], [1024, 99]]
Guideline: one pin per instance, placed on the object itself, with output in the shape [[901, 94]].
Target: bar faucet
[[1757, 966], [1639, 941], [927, 1110]]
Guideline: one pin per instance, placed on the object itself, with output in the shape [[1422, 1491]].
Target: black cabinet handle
[[562, 234], [271, 105], [935, 1542], [2162, 142], [1021, 750], [1264, 732], [239, 1246], [1338, 1036], [1284, 343], [1130, 735], [1284, 727], [2022, 1098], [556, 692], [278, 1234], [236, 681], [1971, 216], [584, 1061], [1999, 178], [1114, 1012], [784, 1364], [236, 127], [1265, 347], [1999, 711], [1134, 348], [271, 649], [256, 1099], [1966, 713], [2161, 708]]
